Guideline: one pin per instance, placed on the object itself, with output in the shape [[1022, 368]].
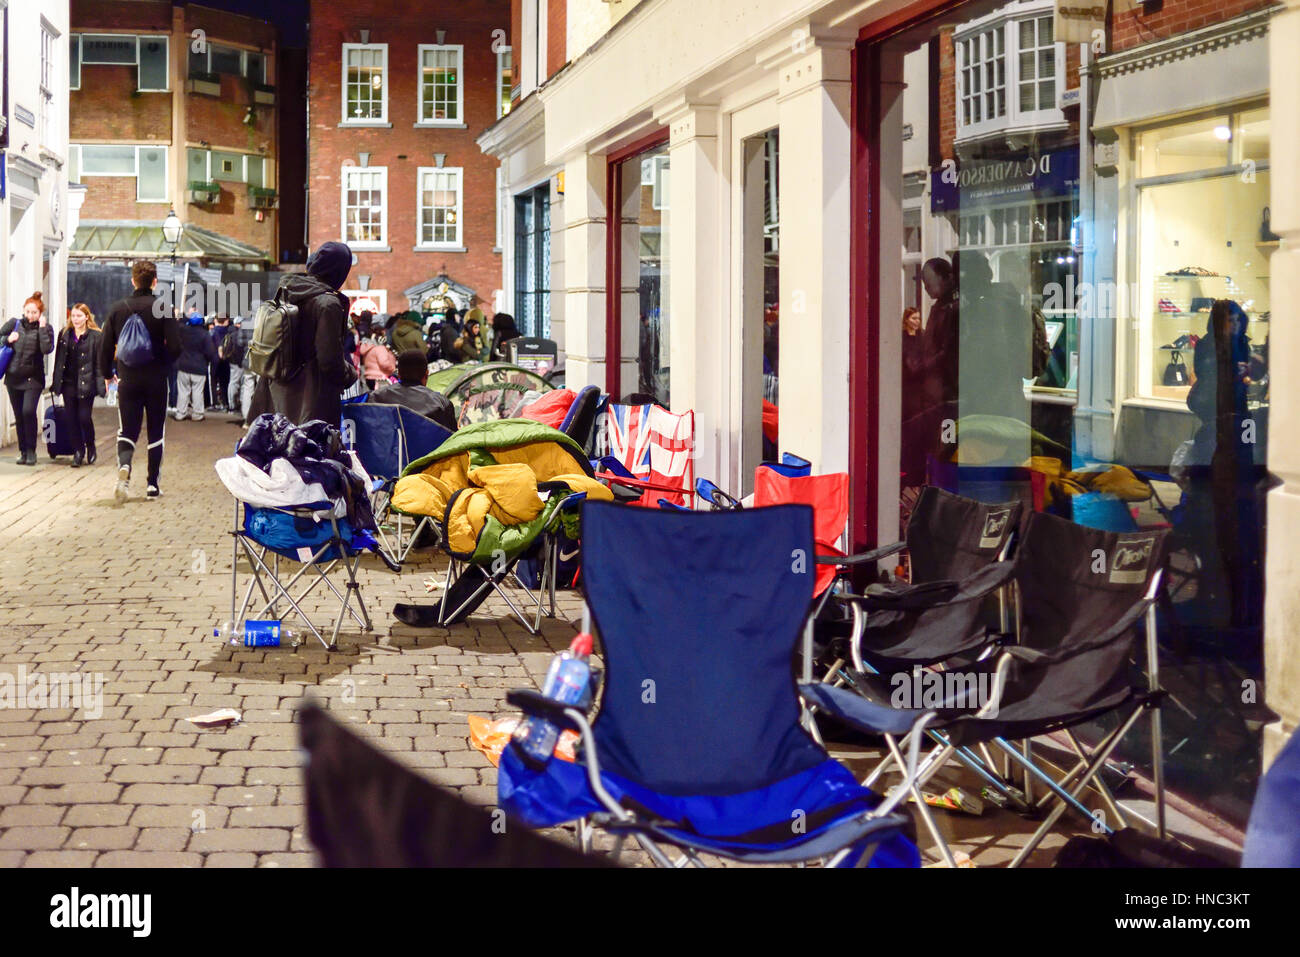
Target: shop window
[[441, 91], [533, 262], [643, 315], [1081, 279], [365, 87], [440, 211]]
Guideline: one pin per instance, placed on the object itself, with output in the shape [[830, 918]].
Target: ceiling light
[[1222, 133]]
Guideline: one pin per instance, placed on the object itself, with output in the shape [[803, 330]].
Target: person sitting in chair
[[410, 391]]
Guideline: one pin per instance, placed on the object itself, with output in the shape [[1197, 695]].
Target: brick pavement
[[132, 593]]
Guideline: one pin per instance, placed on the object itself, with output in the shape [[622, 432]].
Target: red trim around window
[[614, 254]]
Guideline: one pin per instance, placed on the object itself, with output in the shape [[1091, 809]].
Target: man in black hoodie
[[315, 392], [142, 389]]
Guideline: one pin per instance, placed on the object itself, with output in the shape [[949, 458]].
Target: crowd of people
[[155, 365]]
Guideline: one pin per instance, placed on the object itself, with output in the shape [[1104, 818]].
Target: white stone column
[[1282, 565], [696, 271], [815, 122], [583, 235]]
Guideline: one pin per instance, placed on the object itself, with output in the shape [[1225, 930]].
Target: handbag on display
[[1176, 371]]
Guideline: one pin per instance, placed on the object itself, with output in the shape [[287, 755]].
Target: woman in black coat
[[77, 379], [32, 340]]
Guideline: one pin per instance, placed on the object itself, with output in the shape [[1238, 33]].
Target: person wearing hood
[[315, 391], [503, 330], [407, 332], [197, 353]]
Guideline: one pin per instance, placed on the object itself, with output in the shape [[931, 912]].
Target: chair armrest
[[538, 705], [854, 709], [975, 586], [862, 558], [1033, 656]]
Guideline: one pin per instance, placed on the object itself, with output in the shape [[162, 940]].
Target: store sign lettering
[[992, 174]]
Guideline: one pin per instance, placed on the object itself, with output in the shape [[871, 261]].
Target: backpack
[[235, 345], [274, 350], [134, 344]]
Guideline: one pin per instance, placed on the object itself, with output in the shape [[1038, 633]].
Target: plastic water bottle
[[257, 634], [112, 394], [566, 682]]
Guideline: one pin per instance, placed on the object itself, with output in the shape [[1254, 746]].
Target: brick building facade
[[396, 99], [201, 88]]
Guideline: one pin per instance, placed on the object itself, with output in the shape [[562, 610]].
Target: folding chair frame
[[1077, 778], [279, 591]]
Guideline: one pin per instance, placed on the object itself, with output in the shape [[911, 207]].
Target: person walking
[[76, 379], [220, 368], [315, 392], [197, 355], [32, 339], [142, 382]]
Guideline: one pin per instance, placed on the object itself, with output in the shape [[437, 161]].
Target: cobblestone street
[[133, 593]]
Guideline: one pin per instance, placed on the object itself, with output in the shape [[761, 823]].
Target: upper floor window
[[365, 83], [148, 164], [441, 92], [1008, 72], [48, 39], [505, 80], [150, 55], [218, 59], [212, 166]]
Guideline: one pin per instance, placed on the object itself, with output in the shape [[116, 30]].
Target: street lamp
[[172, 230]]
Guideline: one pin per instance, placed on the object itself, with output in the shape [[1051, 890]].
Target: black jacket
[[76, 364], [315, 392], [27, 367], [421, 399], [197, 350], [163, 330]]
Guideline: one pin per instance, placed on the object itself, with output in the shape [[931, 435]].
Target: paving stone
[[140, 859]]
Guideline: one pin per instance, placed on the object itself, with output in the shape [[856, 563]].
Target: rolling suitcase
[[57, 430]]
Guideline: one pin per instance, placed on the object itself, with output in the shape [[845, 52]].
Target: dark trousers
[[24, 402], [172, 389], [220, 383], [80, 419], [135, 401]]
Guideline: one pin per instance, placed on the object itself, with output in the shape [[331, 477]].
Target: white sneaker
[[198, 418], [180, 418], [153, 491], [123, 484]]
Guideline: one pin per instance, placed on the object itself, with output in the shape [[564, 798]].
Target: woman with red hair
[[32, 340]]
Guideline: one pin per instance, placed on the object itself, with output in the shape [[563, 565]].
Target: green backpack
[[274, 351]]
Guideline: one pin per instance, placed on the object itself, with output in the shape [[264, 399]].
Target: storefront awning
[[1218, 65], [133, 240]]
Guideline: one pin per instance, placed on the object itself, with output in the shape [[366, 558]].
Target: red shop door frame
[[864, 248]]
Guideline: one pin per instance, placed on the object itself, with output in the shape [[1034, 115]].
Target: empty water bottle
[[112, 394], [566, 681], [257, 634]]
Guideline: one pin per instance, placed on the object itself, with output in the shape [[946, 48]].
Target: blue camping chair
[[388, 438], [1273, 835], [720, 763]]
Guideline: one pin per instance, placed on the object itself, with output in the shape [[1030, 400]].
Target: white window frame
[[459, 50], [459, 242], [382, 119], [207, 164], [135, 172], [382, 242], [503, 91], [243, 59], [1007, 19], [167, 46], [166, 159], [49, 55]]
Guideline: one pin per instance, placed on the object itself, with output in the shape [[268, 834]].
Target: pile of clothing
[[488, 486], [282, 465]]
